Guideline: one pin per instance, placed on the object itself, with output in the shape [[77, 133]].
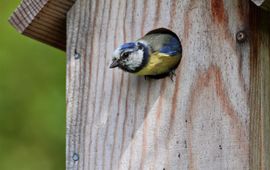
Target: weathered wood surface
[[260, 90], [43, 20], [263, 3], [200, 121]]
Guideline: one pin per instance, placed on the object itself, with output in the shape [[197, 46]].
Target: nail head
[[75, 157], [77, 55], [241, 36]]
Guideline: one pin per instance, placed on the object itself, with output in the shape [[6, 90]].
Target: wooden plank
[[116, 120], [260, 89], [40, 20], [265, 4]]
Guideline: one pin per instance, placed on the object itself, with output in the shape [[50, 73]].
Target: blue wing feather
[[172, 47]]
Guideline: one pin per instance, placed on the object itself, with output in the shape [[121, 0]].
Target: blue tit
[[156, 55]]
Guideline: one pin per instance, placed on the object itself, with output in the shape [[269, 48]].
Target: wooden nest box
[[215, 115]]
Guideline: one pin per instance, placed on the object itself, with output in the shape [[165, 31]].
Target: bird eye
[[140, 47], [124, 55]]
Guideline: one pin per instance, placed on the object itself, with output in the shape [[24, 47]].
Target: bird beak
[[114, 64]]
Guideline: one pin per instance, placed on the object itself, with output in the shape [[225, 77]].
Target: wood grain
[[260, 90], [206, 119], [43, 20]]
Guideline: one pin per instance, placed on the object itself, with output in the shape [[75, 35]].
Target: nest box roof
[[265, 4], [45, 20]]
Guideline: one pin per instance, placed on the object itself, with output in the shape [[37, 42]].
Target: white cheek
[[135, 60]]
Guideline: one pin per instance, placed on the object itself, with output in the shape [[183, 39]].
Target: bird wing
[[171, 48]]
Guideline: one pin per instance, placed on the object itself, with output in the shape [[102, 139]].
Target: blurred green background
[[32, 100]]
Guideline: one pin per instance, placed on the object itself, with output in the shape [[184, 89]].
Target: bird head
[[130, 57]]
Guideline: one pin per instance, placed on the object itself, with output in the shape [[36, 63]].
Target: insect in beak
[[114, 64]]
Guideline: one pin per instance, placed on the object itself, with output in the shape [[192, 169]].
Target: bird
[[156, 55]]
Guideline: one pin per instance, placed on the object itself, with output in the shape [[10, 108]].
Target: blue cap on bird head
[[128, 45]]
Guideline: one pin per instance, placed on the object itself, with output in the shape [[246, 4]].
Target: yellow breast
[[159, 63]]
